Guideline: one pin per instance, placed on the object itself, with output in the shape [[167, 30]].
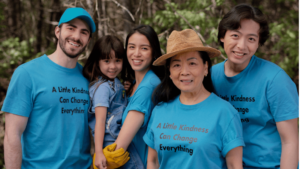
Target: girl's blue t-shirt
[[141, 101], [194, 136]]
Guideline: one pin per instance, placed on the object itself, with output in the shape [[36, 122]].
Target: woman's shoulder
[[150, 80]]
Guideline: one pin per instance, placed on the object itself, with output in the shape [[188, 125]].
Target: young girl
[[108, 99]]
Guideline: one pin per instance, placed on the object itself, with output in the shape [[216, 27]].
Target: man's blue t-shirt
[[263, 94], [194, 136], [55, 99], [141, 101]]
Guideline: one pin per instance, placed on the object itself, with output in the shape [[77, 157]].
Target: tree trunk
[[55, 14], [39, 27], [13, 18], [128, 22]]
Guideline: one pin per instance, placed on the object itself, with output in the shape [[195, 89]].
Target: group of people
[[176, 110]]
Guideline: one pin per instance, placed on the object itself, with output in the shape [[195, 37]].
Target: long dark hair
[[151, 35], [167, 91], [102, 50]]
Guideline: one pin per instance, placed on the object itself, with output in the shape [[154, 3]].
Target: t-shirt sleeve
[[101, 96], [283, 97], [233, 136], [19, 97], [149, 137], [142, 102]]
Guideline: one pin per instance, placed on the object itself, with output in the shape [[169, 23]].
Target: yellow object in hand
[[94, 167], [115, 159]]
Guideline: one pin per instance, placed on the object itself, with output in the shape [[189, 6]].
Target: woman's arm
[[100, 114], [234, 158], [288, 131], [152, 161], [131, 126]]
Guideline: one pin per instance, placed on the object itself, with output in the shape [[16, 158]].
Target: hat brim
[[87, 19], [210, 51]]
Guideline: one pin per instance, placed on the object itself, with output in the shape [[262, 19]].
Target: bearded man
[[45, 126]]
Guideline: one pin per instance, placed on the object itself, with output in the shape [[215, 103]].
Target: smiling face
[[111, 67], [139, 52], [73, 37], [187, 71], [241, 44]]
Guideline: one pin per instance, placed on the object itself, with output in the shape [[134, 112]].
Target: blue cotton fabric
[[55, 99], [111, 94], [194, 136], [141, 102], [263, 94]]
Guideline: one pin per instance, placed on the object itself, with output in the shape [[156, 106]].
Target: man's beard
[[62, 43]]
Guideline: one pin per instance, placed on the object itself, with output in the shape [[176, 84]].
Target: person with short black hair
[[47, 103], [263, 94]]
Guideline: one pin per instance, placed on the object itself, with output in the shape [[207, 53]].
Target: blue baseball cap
[[72, 13]]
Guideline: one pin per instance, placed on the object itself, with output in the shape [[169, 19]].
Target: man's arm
[[14, 127], [288, 131]]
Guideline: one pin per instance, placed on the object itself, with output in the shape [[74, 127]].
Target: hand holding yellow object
[[115, 159]]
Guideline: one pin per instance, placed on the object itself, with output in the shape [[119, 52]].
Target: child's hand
[[99, 161], [115, 158]]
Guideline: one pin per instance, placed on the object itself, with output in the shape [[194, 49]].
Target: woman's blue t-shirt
[[194, 136], [141, 101]]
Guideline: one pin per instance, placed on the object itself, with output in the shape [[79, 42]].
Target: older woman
[[191, 127]]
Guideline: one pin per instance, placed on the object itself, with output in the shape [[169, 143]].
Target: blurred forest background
[[27, 29]]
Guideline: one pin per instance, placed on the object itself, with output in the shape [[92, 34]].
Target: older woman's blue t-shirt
[[194, 136], [141, 101]]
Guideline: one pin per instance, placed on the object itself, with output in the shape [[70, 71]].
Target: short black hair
[[232, 20]]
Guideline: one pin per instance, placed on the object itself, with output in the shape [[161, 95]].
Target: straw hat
[[184, 41]]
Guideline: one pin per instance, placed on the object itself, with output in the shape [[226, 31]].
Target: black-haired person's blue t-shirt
[[263, 94], [194, 136]]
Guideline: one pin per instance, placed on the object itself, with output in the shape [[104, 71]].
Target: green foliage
[[284, 43], [196, 13], [14, 52]]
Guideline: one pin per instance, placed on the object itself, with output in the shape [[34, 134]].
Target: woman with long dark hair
[[142, 48]]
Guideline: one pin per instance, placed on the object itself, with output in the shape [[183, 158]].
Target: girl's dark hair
[[167, 91], [151, 35], [232, 20], [102, 50]]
